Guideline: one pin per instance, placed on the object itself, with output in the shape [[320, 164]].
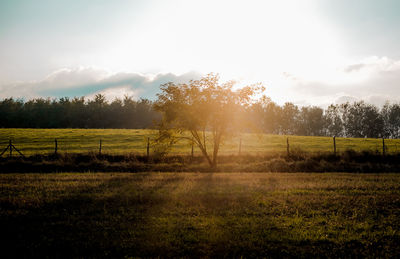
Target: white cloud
[[90, 81], [345, 99], [374, 80], [116, 92], [67, 77], [372, 64]]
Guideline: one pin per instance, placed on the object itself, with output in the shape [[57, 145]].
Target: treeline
[[77, 113], [357, 119]]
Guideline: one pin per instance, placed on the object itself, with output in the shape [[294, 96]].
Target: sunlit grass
[[202, 214], [118, 141]]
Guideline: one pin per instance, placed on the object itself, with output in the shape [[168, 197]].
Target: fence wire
[[243, 145]]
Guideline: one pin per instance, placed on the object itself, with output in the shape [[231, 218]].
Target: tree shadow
[[116, 219], [84, 224]]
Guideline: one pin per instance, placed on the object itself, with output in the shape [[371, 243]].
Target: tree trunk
[[217, 141], [202, 147]]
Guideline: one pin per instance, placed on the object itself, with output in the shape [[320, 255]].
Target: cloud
[[116, 92], [89, 81], [345, 99], [65, 78], [354, 67], [374, 80]]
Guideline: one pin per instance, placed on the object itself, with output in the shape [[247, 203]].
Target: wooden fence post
[[334, 145], [100, 147], [383, 146], [192, 149], [287, 145], [148, 147], [10, 145], [55, 146], [240, 146]]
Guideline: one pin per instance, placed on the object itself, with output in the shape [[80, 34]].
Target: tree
[[362, 120], [333, 121], [289, 119], [204, 105], [391, 119], [372, 122], [265, 114], [311, 121]]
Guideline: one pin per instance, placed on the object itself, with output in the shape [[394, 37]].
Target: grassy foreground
[[200, 215], [122, 141]]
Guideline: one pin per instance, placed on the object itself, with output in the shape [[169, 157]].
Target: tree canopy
[[78, 113], [205, 105]]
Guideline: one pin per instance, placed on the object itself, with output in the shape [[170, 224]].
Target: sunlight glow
[[252, 40], [309, 52]]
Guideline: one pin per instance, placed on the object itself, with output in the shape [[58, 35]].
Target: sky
[[309, 52]]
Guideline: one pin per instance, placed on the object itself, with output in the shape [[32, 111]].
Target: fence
[[240, 145]]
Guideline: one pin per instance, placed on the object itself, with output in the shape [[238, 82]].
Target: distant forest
[[357, 119], [78, 113]]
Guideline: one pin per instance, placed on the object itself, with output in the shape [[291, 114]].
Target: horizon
[[309, 53]]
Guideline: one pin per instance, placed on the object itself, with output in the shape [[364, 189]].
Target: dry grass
[[200, 215]]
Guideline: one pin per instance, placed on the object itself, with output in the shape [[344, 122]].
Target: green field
[[121, 141], [200, 215]]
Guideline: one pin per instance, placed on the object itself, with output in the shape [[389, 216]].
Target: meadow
[[200, 215], [123, 141]]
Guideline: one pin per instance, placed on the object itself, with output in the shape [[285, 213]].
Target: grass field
[[119, 141], [200, 215]]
